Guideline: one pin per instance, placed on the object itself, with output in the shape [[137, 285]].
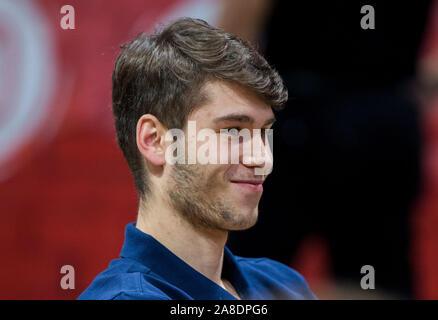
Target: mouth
[[253, 185]]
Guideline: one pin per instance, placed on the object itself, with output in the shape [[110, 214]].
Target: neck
[[202, 249]]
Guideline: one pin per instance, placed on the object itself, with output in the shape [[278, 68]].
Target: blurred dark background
[[347, 147], [355, 178]]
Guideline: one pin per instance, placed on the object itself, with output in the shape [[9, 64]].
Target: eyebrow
[[238, 117]]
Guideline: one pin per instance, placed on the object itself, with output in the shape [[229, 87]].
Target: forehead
[[227, 98]]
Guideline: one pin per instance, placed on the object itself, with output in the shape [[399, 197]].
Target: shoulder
[[288, 282], [117, 283]]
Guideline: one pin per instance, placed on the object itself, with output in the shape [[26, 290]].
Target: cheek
[[215, 177]]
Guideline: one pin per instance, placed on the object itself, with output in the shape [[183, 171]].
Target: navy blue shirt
[[148, 270]]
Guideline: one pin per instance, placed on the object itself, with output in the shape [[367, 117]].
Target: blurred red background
[[66, 193]]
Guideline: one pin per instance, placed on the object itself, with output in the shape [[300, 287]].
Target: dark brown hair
[[162, 74]]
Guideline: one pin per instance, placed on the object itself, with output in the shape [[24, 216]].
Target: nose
[[257, 153]]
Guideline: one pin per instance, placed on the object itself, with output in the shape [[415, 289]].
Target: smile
[[249, 185]]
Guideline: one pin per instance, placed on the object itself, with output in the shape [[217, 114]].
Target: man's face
[[224, 196]]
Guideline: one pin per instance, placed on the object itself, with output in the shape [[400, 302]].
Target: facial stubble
[[192, 193]]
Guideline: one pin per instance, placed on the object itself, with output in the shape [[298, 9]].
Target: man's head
[[191, 71]]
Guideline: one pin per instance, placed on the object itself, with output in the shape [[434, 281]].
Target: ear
[[150, 139]]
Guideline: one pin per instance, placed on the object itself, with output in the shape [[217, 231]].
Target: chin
[[244, 220]]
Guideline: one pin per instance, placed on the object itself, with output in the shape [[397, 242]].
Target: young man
[[191, 73]]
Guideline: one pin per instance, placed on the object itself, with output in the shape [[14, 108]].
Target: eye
[[234, 131]]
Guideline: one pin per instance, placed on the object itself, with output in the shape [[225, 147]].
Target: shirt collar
[[145, 249]]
